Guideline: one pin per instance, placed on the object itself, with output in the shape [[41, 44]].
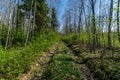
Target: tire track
[[84, 68]]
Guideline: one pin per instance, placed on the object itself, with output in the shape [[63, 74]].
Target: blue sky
[[61, 12], [64, 7]]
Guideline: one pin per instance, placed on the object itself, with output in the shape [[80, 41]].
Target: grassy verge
[[18, 60]]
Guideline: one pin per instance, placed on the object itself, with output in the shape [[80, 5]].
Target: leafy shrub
[[70, 38]]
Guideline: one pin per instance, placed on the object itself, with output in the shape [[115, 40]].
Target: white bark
[[29, 28], [9, 24]]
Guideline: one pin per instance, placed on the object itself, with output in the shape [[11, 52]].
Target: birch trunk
[[29, 28], [9, 24]]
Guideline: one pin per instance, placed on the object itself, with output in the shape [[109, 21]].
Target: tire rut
[[87, 74], [42, 62]]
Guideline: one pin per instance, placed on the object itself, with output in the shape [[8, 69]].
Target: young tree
[[54, 21], [92, 3], [110, 22], [0, 27], [9, 23], [118, 12], [30, 25]]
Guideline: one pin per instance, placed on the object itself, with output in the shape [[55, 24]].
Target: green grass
[[62, 67], [16, 61]]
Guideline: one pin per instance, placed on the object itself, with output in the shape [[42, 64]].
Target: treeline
[[96, 22], [22, 20]]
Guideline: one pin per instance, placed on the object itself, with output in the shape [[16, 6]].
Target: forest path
[[39, 68], [42, 62], [84, 68]]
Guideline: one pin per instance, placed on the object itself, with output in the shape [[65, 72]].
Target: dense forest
[[59, 40]]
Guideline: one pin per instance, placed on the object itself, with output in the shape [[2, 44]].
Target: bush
[[70, 39]]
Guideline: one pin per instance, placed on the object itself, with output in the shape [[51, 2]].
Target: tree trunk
[[93, 25], [9, 24], [29, 28], [109, 25], [118, 29]]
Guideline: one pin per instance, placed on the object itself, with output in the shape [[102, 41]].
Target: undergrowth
[[16, 61], [104, 64], [85, 38]]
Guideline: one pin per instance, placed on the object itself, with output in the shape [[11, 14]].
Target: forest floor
[[84, 68], [103, 65], [69, 62]]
